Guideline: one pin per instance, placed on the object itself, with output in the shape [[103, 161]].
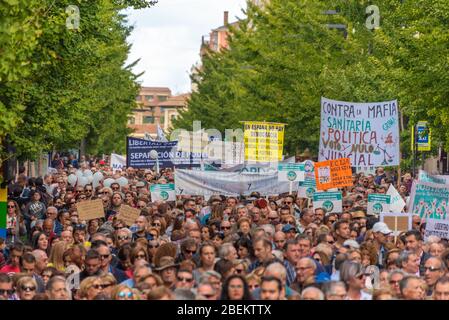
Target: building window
[[131, 120], [149, 98], [148, 119], [162, 120], [162, 98]]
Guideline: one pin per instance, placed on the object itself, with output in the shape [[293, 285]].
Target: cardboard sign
[[439, 228], [378, 203], [329, 201], [291, 172], [398, 222], [333, 174], [264, 141], [90, 209], [128, 214], [163, 192]]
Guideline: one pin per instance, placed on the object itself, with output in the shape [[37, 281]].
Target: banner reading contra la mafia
[[367, 133]]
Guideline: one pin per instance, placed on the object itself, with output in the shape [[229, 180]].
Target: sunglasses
[[239, 271], [28, 289], [191, 251], [225, 228], [105, 192], [208, 296], [123, 294], [104, 256], [123, 238], [102, 286], [180, 279], [10, 207], [155, 224], [287, 202], [153, 246], [431, 269], [8, 292]]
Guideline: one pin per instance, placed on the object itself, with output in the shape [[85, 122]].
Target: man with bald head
[[279, 240]]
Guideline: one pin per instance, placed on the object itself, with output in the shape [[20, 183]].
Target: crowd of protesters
[[221, 248]]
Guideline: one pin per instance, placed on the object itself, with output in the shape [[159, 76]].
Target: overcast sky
[[167, 38]]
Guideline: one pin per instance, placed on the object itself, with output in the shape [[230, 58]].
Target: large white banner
[[438, 179], [367, 133], [117, 162], [192, 182]]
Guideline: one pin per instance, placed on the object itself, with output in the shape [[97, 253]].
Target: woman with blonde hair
[[161, 293], [123, 292], [253, 281], [26, 288], [108, 282], [56, 258], [90, 288]]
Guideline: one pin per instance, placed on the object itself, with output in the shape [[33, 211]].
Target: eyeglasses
[[272, 218], [190, 251], [8, 292], [288, 202], [431, 269], [123, 294], [225, 228], [88, 190], [181, 279], [28, 289], [394, 282], [115, 188], [151, 246], [141, 256], [331, 242], [123, 238], [208, 296], [105, 192]]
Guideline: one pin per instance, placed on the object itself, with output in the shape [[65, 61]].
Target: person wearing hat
[[290, 231], [167, 271], [381, 232]]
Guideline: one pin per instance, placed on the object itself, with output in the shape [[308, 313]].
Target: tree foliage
[[284, 58], [60, 85]]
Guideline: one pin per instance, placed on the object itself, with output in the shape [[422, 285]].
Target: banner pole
[[395, 228], [291, 187]]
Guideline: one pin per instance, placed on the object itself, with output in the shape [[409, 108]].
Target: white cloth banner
[[117, 162], [192, 182], [367, 133], [396, 203]]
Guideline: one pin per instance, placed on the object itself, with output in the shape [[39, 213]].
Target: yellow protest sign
[[264, 141]]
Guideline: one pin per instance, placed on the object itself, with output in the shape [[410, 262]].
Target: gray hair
[[207, 274], [224, 250], [404, 256], [396, 271], [349, 270], [128, 232], [269, 229], [184, 294], [404, 282], [331, 287], [277, 268], [313, 289]]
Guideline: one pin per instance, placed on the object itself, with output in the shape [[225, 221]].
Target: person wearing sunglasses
[[184, 279], [6, 287], [434, 269], [14, 228], [106, 257], [26, 288], [353, 274]]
